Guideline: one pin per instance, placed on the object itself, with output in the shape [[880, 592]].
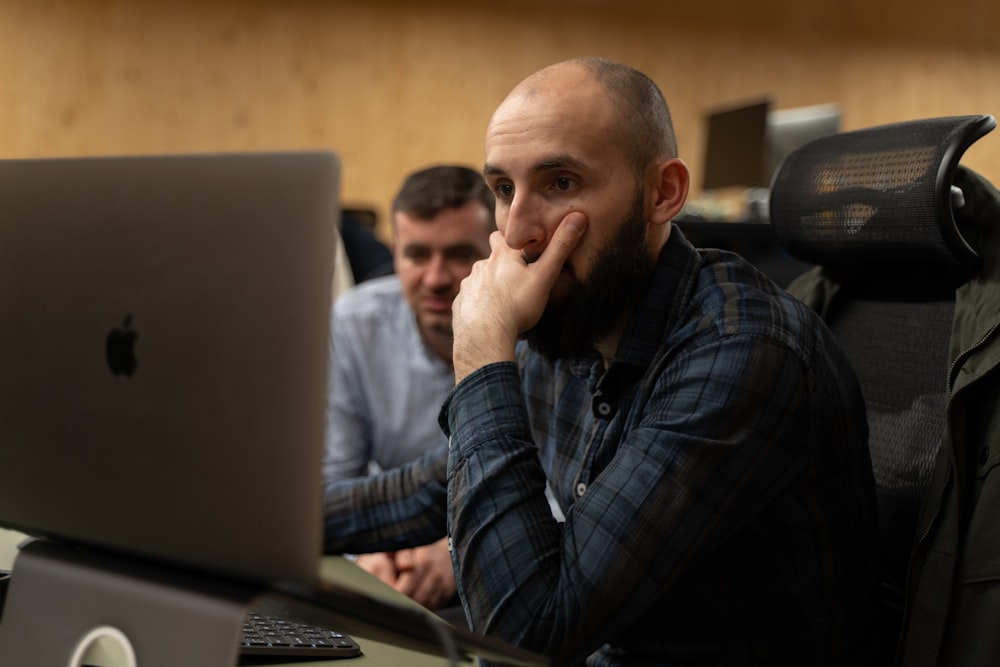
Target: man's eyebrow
[[560, 161]]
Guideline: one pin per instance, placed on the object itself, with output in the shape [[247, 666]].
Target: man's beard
[[591, 308]]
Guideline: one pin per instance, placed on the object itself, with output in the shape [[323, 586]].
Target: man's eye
[[415, 255], [563, 184], [465, 255], [505, 190]]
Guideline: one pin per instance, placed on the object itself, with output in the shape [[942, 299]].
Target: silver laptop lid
[[163, 355]]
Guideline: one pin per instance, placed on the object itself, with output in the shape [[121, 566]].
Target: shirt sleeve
[[396, 509], [713, 442]]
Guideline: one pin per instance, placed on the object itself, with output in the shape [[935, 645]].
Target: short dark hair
[[427, 192], [647, 127]]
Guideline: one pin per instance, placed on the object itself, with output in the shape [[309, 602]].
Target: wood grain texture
[[393, 85]]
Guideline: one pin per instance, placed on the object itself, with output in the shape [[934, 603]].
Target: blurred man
[[391, 362]]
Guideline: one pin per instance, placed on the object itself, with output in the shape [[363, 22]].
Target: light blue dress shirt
[[385, 386]]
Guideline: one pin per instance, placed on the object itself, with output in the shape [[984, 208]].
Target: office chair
[[875, 210]]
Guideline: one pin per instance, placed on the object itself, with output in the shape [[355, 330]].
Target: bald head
[[640, 118]]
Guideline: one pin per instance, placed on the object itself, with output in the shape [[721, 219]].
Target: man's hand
[[423, 573], [382, 565], [426, 574], [505, 296]]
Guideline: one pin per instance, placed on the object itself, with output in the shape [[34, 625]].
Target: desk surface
[[334, 568]]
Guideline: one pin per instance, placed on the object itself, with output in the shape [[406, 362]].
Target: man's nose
[[437, 273], [525, 228]]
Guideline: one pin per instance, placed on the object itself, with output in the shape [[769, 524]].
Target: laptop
[[163, 370], [165, 333]]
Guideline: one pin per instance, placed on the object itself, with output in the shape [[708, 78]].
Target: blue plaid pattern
[[716, 484]]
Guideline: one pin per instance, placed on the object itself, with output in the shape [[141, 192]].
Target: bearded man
[[701, 430]]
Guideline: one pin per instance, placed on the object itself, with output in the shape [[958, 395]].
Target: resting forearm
[[400, 508]]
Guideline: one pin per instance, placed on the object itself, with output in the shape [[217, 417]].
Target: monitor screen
[[787, 129], [735, 147]]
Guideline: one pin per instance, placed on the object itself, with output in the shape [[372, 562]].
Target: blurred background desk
[[344, 572]]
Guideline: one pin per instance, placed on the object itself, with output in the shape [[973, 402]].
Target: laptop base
[[65, 603], [65, 599]]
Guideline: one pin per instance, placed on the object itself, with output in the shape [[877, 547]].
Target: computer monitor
[[787, 129], [734, 146], [746, 143]]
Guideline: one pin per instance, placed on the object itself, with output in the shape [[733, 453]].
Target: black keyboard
[[265, 636]]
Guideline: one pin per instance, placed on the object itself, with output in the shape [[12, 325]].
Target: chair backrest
[[874, 209]]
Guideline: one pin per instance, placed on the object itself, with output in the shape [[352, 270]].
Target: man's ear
[[667, 190]]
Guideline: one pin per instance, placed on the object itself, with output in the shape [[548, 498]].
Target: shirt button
[[580, 488], [984, 455], [604, 409]]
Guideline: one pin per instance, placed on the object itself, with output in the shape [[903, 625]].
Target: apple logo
[[120, 348]]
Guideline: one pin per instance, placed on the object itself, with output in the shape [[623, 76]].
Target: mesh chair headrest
[[882, 195]]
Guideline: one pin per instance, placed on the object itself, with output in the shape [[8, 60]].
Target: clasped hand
[[424, 573]]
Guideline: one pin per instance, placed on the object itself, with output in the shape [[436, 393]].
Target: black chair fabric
[[874, 209], [878, 196]]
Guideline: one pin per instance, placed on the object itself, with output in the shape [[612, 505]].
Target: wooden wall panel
[[395, 85]]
